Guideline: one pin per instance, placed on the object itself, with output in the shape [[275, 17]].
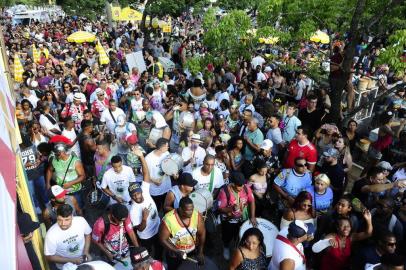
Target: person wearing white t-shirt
[[122, 131], [257, 61], [116, 180], [160, 182], [143, 212], [48, 122], [288, 251], [110, 115], [193, 155], [70, 133], [68, 240], [94, 265], [205, 173]]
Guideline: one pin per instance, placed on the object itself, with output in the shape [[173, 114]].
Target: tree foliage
[[228, 37], [394, 53]]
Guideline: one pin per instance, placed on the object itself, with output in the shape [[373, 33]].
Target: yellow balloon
[[155, 22]]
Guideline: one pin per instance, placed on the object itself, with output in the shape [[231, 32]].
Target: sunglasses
[[300, 165], [391, 244]]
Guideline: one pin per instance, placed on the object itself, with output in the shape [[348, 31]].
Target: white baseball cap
[[266, 144]]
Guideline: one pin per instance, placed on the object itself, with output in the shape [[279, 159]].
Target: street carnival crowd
[[162, 170]]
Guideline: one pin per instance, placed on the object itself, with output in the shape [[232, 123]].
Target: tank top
[[337, 258], [237, 159], [252, 264], [86, 155], [178, 195], [180, 237], [61, 166], [259, 187]]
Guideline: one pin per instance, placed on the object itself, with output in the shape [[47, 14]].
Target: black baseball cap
[[139, 255], [134, 187], [187, 180]]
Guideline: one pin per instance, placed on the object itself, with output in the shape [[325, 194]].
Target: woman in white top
[[302, 209], [48, 121]]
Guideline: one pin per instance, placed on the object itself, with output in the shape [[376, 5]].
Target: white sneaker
[[226, 253]]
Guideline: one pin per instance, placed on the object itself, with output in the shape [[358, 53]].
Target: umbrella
[[35, 54], [129, 14], [320, 37], [103, 58], [18, 69], [81, 36]]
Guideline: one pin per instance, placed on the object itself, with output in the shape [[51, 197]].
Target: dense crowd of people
[[173, 163]]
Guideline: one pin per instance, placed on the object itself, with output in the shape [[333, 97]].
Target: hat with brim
[[385, 165], [139, 255], [331, 152], [77, 96], [186, 179], [196, 138], [57, 192], [134, 187], [298, 228], [266, 145]]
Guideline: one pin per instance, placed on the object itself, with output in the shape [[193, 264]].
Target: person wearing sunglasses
[[302, 209], [372, 254], [290, 182], [384, 218]]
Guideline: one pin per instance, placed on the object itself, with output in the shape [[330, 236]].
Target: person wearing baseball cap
[[57, 197], [142, 260], [288, 248], [143, 211], [236, 204], [185, 185], [335, 172], [132, 159]]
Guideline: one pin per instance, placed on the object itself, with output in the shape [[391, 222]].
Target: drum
[[98, 199], [172, 164], [202, 200], [269, 231], [155, 134], [186, 119]]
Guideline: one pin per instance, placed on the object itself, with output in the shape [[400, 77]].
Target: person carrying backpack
[[236, 204], [110, 230]]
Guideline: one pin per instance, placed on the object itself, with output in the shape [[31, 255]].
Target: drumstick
[[192, 260]]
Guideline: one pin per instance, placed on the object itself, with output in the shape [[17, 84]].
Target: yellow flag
[[103, 58], [115, 13], [18, 69], [35, 54]]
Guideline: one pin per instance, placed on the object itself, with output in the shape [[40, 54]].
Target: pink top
[[112, 237], [242, 199]]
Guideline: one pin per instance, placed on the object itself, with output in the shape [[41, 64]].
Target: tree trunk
[[144, 29], [337, 85]]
